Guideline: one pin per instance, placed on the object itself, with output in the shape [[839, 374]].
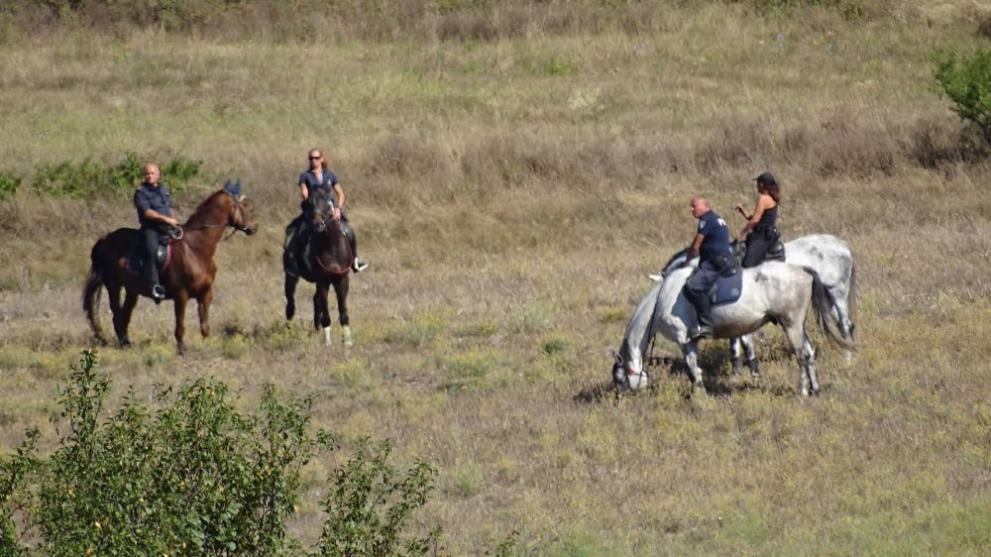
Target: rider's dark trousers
[[698, 285], [150, 239], [759, 242]]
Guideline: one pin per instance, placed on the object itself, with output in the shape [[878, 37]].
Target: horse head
[[330, 247], [321, 210], [240, 217], [627, 371]]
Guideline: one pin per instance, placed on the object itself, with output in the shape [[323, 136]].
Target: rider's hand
[[337, 213]]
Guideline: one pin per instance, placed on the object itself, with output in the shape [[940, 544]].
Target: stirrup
[[701, 333], [157, 293]]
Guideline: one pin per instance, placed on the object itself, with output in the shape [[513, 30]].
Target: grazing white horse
[[772, 292], [831, 258]]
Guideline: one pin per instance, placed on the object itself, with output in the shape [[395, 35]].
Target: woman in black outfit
[[761, 229]]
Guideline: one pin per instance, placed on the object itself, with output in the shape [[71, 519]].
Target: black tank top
[[769, 218]]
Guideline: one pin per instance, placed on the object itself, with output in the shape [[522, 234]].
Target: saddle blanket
[[727, 289]]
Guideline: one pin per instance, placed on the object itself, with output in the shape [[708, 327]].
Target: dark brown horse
[[189, 272], [326, 261]]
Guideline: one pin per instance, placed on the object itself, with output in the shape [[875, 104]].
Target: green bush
[[194, 477], [8, 185], [370, 504], [89, 179], [966, 80]]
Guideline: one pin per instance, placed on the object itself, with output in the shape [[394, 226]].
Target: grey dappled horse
[[772, 292], [832, 260]]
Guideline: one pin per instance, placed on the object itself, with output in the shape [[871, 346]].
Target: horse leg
[[181, 297], [690, 351], [808, 381], [120, 327], [130, 300], [748, 349], [291, 282], [321, 313], [203, 308], [341, 290], [734, 354]]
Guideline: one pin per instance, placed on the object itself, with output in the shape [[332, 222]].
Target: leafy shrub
[[966, 80], [195, 478], [88, 179], [370, 504], [8, 185]]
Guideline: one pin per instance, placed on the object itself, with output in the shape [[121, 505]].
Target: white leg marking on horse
[[346, 336], [326, 336]]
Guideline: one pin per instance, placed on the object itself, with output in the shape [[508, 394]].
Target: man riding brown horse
[[188, 275], [154, 205]]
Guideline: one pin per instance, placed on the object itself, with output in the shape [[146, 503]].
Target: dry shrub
[[634, 161], [848, 150], [934, 142], [515, 159], [984, 27], [734, 145], [466, 26], [406, 156]]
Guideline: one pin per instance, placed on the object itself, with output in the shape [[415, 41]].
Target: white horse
[[831, 258], [772, 292]]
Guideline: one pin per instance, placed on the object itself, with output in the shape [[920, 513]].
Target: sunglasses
[[315, 158]]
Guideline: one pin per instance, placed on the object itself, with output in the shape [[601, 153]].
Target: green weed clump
[[195, 477], [8, 185], [90, 179]]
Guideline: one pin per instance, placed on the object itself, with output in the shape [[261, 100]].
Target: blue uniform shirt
[[716, 236], [327, 182], [156, 199]]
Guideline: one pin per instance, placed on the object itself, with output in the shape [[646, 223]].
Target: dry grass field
[[511, 193]]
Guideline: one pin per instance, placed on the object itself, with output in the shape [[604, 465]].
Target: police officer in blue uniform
[[154, 206], [319, 177], [712, 245]]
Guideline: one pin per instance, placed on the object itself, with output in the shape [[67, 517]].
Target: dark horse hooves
[[124, 342]]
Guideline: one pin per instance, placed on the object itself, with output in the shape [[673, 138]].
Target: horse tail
[[827, 310], [91, 292], [852, 299]]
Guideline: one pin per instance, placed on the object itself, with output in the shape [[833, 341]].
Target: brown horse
[[189, 272], [326, 261]]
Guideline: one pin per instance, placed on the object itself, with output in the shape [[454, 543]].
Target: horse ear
[[227, 186]]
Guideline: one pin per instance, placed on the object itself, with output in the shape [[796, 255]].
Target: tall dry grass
[[512, 191]]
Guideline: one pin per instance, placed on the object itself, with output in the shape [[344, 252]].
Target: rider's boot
[[703, 307], [358, 265]]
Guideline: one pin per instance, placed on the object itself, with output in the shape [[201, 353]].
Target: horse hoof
[[125, 343]]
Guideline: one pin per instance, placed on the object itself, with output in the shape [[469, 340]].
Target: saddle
[[775, 253], [163, 256]]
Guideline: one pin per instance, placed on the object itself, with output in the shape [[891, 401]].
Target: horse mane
[[640, 329], [202, 211], [679, 255]]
